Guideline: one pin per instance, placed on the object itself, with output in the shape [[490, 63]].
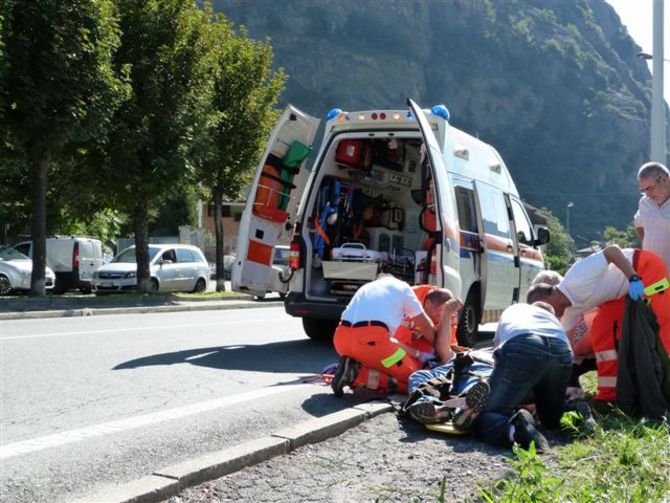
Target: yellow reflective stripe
[[607, 381], [659, 286], [604, 356], [394, 358]]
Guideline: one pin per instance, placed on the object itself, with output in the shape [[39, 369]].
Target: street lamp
[[567, 216]]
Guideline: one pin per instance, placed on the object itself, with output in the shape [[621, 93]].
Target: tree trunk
[[140, 226], [39, 164], [217, 192]]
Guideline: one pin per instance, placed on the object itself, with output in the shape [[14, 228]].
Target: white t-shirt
[[655, 220], [387, 299], [520, 319], [591, 282]]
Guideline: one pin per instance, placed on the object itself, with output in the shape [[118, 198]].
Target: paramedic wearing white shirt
[[602, 276], [652, 220], [364, 335]]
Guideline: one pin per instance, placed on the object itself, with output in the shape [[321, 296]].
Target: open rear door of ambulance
[[448, 246], [272, 200]]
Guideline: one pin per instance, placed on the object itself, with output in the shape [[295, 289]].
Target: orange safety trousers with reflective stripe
[[372, 346], [606, 329]]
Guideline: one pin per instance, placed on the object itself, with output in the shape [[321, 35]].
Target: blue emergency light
[[333, 113], [440, 111]]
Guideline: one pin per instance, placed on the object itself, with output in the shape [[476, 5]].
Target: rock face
[[555, 86]]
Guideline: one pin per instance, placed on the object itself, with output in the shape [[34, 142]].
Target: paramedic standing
[[363, 336], [652, 220]]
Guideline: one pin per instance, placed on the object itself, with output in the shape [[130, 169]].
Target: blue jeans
[[523, 364], [465, 381]]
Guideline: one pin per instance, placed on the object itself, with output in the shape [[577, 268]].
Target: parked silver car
[[174, 267], [16, 269]]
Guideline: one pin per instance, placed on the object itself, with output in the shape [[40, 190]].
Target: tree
[[57, 87], [240, 119], [626, 238], [561, 247], [164, 50]]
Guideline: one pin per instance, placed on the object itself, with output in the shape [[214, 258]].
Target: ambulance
[[396, 191]]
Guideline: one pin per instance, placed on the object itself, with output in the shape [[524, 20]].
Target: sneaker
[[525, 432], [475, 401], [428, 412], [588, 423], [347, 372]]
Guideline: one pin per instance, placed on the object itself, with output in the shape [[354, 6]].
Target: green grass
[[625, 460]]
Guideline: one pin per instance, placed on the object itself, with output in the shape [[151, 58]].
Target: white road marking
[[79, 434], [138, 329]]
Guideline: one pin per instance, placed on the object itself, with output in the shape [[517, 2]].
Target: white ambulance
[[398, 191]]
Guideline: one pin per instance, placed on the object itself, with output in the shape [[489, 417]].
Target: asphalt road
[[92, 401]]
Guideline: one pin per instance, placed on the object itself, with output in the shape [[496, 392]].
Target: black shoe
[[525, 432], [347, 372], [426, 412], [475, 401], [588, 424]]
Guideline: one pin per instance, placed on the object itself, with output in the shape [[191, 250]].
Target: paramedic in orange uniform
[[602, 280], [364, 335], [435, 302]]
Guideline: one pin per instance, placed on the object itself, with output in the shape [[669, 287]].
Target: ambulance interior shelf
[[276, 182]]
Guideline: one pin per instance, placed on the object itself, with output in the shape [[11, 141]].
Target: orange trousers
[[606, 329], [372, 346]]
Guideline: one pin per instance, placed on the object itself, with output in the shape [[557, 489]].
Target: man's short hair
[[438, 296], [545, 306], [539, 293], [548, 277], [652, 170]]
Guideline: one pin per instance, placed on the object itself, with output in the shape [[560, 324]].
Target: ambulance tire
[[468, 322], [318, 329]]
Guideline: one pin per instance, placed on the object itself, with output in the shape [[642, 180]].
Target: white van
[[73, 259], [399, 191]]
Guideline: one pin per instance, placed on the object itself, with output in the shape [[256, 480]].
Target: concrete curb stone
[[170, 481]]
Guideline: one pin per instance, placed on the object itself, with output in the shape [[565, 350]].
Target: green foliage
[[626, 238], [166, 55], [561, 247], [104, 225], [529, 481]]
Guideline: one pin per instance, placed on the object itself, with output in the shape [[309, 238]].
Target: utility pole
[[657, 105]]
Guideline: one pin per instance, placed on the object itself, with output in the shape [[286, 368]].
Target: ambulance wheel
[[468, 322], [319, 330]]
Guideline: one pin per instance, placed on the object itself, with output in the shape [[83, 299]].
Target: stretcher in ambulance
[[397, 191]]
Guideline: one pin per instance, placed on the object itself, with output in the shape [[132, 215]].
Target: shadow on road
[[304, 357]]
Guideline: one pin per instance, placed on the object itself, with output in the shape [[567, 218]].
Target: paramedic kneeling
[[532, 353], [374, 313]]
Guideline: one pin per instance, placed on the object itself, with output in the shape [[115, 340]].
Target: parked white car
[[16, 269], [174, 268]]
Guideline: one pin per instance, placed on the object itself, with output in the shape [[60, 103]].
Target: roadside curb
[[97, 311], [170, 481]]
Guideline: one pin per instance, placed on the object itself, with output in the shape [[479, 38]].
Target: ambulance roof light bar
[[341, 116]]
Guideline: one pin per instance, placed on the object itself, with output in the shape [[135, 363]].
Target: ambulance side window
[[523, 227], [467, 218], [494, 211]]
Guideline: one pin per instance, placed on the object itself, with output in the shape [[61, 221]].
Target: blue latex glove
[[636, 289]]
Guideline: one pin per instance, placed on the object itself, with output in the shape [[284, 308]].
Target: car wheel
[[5, 285], [153, 286], [259, 297], [319, 330], [200, 286], [468, 322]]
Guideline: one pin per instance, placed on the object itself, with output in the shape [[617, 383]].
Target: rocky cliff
[[555, 86]]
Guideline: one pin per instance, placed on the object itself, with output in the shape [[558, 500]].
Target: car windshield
[[127, 256], [11, 254]]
